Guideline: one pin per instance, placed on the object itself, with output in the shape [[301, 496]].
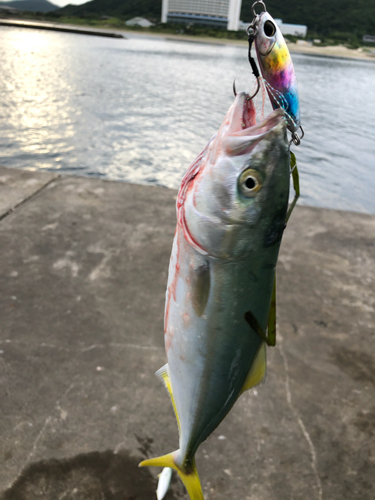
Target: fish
[[277, 69], [231, 211], [163, 483]]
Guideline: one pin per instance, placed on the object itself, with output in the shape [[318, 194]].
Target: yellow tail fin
[[190, 479]]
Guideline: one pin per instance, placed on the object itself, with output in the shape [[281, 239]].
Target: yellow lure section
[[190, 480]]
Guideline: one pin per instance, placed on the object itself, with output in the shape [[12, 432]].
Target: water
[[141, 109]]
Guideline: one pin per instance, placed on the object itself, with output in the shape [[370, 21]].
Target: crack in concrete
[[131, 346], [43, 429], [83, 349], [301, 424], [29, 198]]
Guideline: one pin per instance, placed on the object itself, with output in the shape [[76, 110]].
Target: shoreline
[[334, 51], [301, 47]]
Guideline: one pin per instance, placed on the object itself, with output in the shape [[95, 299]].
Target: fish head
[[237, 200]]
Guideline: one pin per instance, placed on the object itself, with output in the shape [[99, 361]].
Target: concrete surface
[[83, 271], [17, 186]]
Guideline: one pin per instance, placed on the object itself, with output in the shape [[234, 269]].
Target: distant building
[[292, 29], [139, 21], [219, 13], [368, 39], [286, 29]]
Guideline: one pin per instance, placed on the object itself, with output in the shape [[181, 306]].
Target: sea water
[[141, 109]]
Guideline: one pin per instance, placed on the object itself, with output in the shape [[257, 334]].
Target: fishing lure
[[276, 67]]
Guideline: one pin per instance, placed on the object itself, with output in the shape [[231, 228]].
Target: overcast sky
[[62, 3]]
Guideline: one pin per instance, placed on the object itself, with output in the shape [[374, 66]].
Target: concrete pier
[[83, 271]]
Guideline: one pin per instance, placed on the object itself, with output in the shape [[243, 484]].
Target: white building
[[286, 29], [220, 13], [139, 21], [292, 29]]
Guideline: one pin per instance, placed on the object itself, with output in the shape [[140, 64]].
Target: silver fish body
[[231, 211]]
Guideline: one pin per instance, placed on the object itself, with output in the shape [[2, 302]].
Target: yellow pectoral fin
[[258, 370], [163, 374]]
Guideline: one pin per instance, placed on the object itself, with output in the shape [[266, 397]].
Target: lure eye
[[269, 28], [249, 182]]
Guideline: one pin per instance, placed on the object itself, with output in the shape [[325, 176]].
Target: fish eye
[[269, 28], [249, 182]]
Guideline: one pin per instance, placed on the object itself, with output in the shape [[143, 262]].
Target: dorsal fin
[[163, 374], [258, 370]]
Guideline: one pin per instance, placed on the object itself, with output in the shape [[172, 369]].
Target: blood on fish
[[168, 338], [186, 319], [173, 286]]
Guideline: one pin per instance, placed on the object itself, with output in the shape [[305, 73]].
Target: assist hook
[[251, 30], [252, 62]]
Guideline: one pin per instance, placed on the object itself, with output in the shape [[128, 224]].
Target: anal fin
[[163, 374], [258, 370]]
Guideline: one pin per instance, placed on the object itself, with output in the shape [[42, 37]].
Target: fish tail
[[188, 475]]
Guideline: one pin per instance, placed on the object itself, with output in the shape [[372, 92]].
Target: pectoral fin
[[163, 374], [258, 370], [200, 287], [269, 339]]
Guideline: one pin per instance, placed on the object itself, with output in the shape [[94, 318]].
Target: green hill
[[321, 16], [31, 5], [151, 9]]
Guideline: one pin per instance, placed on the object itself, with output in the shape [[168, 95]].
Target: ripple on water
[[140, 110]]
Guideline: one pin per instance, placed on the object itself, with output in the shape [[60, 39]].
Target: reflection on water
[[141, 109]]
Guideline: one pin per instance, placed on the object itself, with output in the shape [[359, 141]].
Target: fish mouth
[[243, 130]]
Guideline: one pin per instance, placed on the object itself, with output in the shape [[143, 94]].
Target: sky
[[62, 3]]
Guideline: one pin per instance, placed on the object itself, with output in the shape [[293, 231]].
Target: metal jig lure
[[276, 67]]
